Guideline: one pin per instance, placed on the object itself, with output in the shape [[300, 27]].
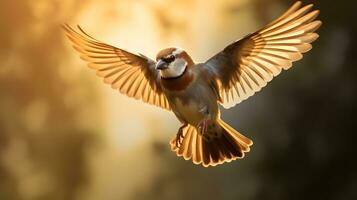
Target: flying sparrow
[[194, 91]]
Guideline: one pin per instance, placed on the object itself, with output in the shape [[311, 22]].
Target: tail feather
[[225, 145], [244, 141]]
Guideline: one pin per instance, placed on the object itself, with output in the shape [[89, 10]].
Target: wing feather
[[131, 74], [246, 66]]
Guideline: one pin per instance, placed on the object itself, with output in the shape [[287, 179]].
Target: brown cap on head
[[179, 54], [165, 52]]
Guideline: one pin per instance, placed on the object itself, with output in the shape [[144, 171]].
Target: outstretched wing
[[131, 74], [247, 65]]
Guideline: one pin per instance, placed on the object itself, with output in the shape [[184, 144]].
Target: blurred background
[[64, 135]]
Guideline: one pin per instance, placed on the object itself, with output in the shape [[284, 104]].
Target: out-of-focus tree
[[42, 136]]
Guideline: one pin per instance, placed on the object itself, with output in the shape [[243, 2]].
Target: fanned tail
[[220, 145]]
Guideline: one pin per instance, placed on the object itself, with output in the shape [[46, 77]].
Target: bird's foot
[[203, 126], [179, 136]]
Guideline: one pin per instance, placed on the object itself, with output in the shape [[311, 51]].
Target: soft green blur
[[66, 135]]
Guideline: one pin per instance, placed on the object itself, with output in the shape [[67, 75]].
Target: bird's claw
[[179, 136], [202, 126]]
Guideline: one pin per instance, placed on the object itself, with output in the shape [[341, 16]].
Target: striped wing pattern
[[246, 66], [131, 74]]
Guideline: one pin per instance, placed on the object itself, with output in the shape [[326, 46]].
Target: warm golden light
[[123, 129], [64, 134]]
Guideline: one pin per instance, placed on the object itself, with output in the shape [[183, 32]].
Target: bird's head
[[172, 62]]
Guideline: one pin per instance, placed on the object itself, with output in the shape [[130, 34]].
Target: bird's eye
[[169, 59]]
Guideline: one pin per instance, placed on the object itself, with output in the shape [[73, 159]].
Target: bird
[[195, 92]]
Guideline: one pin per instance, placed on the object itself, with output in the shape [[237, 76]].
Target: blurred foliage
[[53, 130], [42, 143]]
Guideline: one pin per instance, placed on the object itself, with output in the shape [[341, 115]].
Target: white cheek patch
[[177, 51], [175, 69]]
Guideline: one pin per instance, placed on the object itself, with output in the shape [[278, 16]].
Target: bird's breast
[[189, 104], [188, 110]]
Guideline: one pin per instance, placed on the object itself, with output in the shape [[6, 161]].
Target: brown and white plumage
[[194, 91]]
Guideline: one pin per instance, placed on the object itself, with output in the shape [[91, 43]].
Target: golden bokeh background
[[66, 135]]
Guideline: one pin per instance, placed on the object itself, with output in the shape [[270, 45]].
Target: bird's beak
[[161, 65]]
